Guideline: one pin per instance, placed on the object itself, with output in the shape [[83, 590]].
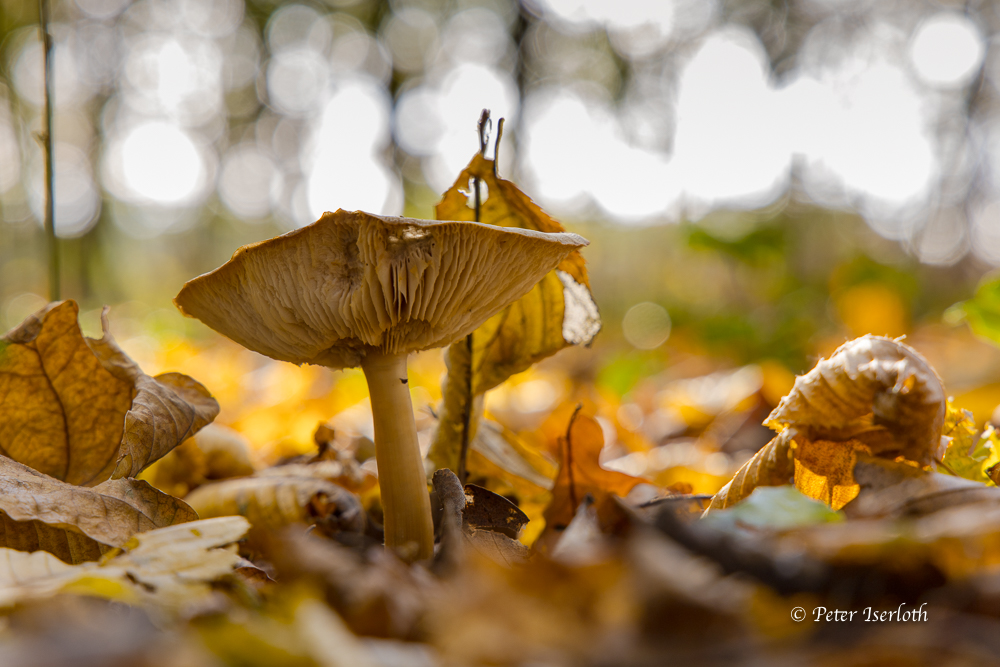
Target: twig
[[483, 128], [50, 198]]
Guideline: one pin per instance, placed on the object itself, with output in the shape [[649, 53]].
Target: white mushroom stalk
[[405, 502], [354, 289]]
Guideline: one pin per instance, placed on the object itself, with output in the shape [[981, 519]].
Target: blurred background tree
[[760, 179]]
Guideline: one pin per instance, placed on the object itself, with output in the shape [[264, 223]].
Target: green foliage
[[982, 311], [776, 508]]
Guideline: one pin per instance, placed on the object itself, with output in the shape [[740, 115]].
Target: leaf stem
[[50, 206]]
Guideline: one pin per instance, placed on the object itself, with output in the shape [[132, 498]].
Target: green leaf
[[775, 508]]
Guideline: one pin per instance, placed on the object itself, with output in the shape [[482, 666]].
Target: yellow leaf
[[79, 410], [772, 465], [77, 523], [168, 567], [825, 471], [275, 502], [557, 312], [969, 453]]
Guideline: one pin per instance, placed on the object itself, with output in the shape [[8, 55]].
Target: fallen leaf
[[580, 473], [896, 489], [274, 502], [375, 593], [216, 452], [346, 473], [970, 454], [458, 530], [78, 523], [772, 465], [485, 510], [873, 389], [79, 410], [774, 508], [557, 312], [167, 567]]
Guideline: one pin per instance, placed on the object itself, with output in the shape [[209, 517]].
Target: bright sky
[[852, 125]]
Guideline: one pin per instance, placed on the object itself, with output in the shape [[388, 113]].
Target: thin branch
[[50, 198]]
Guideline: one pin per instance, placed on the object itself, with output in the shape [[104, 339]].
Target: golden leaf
[[580, 473], [772, 465], [275, 502], [215, 452], [77, 523], [557, 312], [79, 410]]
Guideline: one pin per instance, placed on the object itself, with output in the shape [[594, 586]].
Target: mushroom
[[355, 289]]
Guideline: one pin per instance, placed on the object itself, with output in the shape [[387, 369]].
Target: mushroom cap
[[351, 282]]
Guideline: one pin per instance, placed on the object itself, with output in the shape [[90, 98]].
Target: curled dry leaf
[[274, 502], [557, 312], [78, 523], [79, 410], [869, 385], [874, 395], [168, 567]]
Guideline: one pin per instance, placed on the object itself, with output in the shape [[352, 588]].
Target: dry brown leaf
[[78, 523], [485, 510], [869, 388], [346, 473], [580, 473], [275, 502], [896, 489], [557, 312], [79, 410]]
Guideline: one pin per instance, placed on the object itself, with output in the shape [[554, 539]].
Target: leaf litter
[[876, 493]]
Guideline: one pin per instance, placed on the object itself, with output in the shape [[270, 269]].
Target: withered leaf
[[870, 388], [275, 502], [79, 410], [168, 567], [486, 510], [772, 465], [557, 312], [78, 523], [580, 473], [457, 530]]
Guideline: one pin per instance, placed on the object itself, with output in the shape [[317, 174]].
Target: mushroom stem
[[402, 480]]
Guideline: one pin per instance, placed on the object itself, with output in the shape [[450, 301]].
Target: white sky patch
[[731, 146], [157, 163], [249, 181], [342, 159], [438, 123], [863, 137], [947, 49]]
